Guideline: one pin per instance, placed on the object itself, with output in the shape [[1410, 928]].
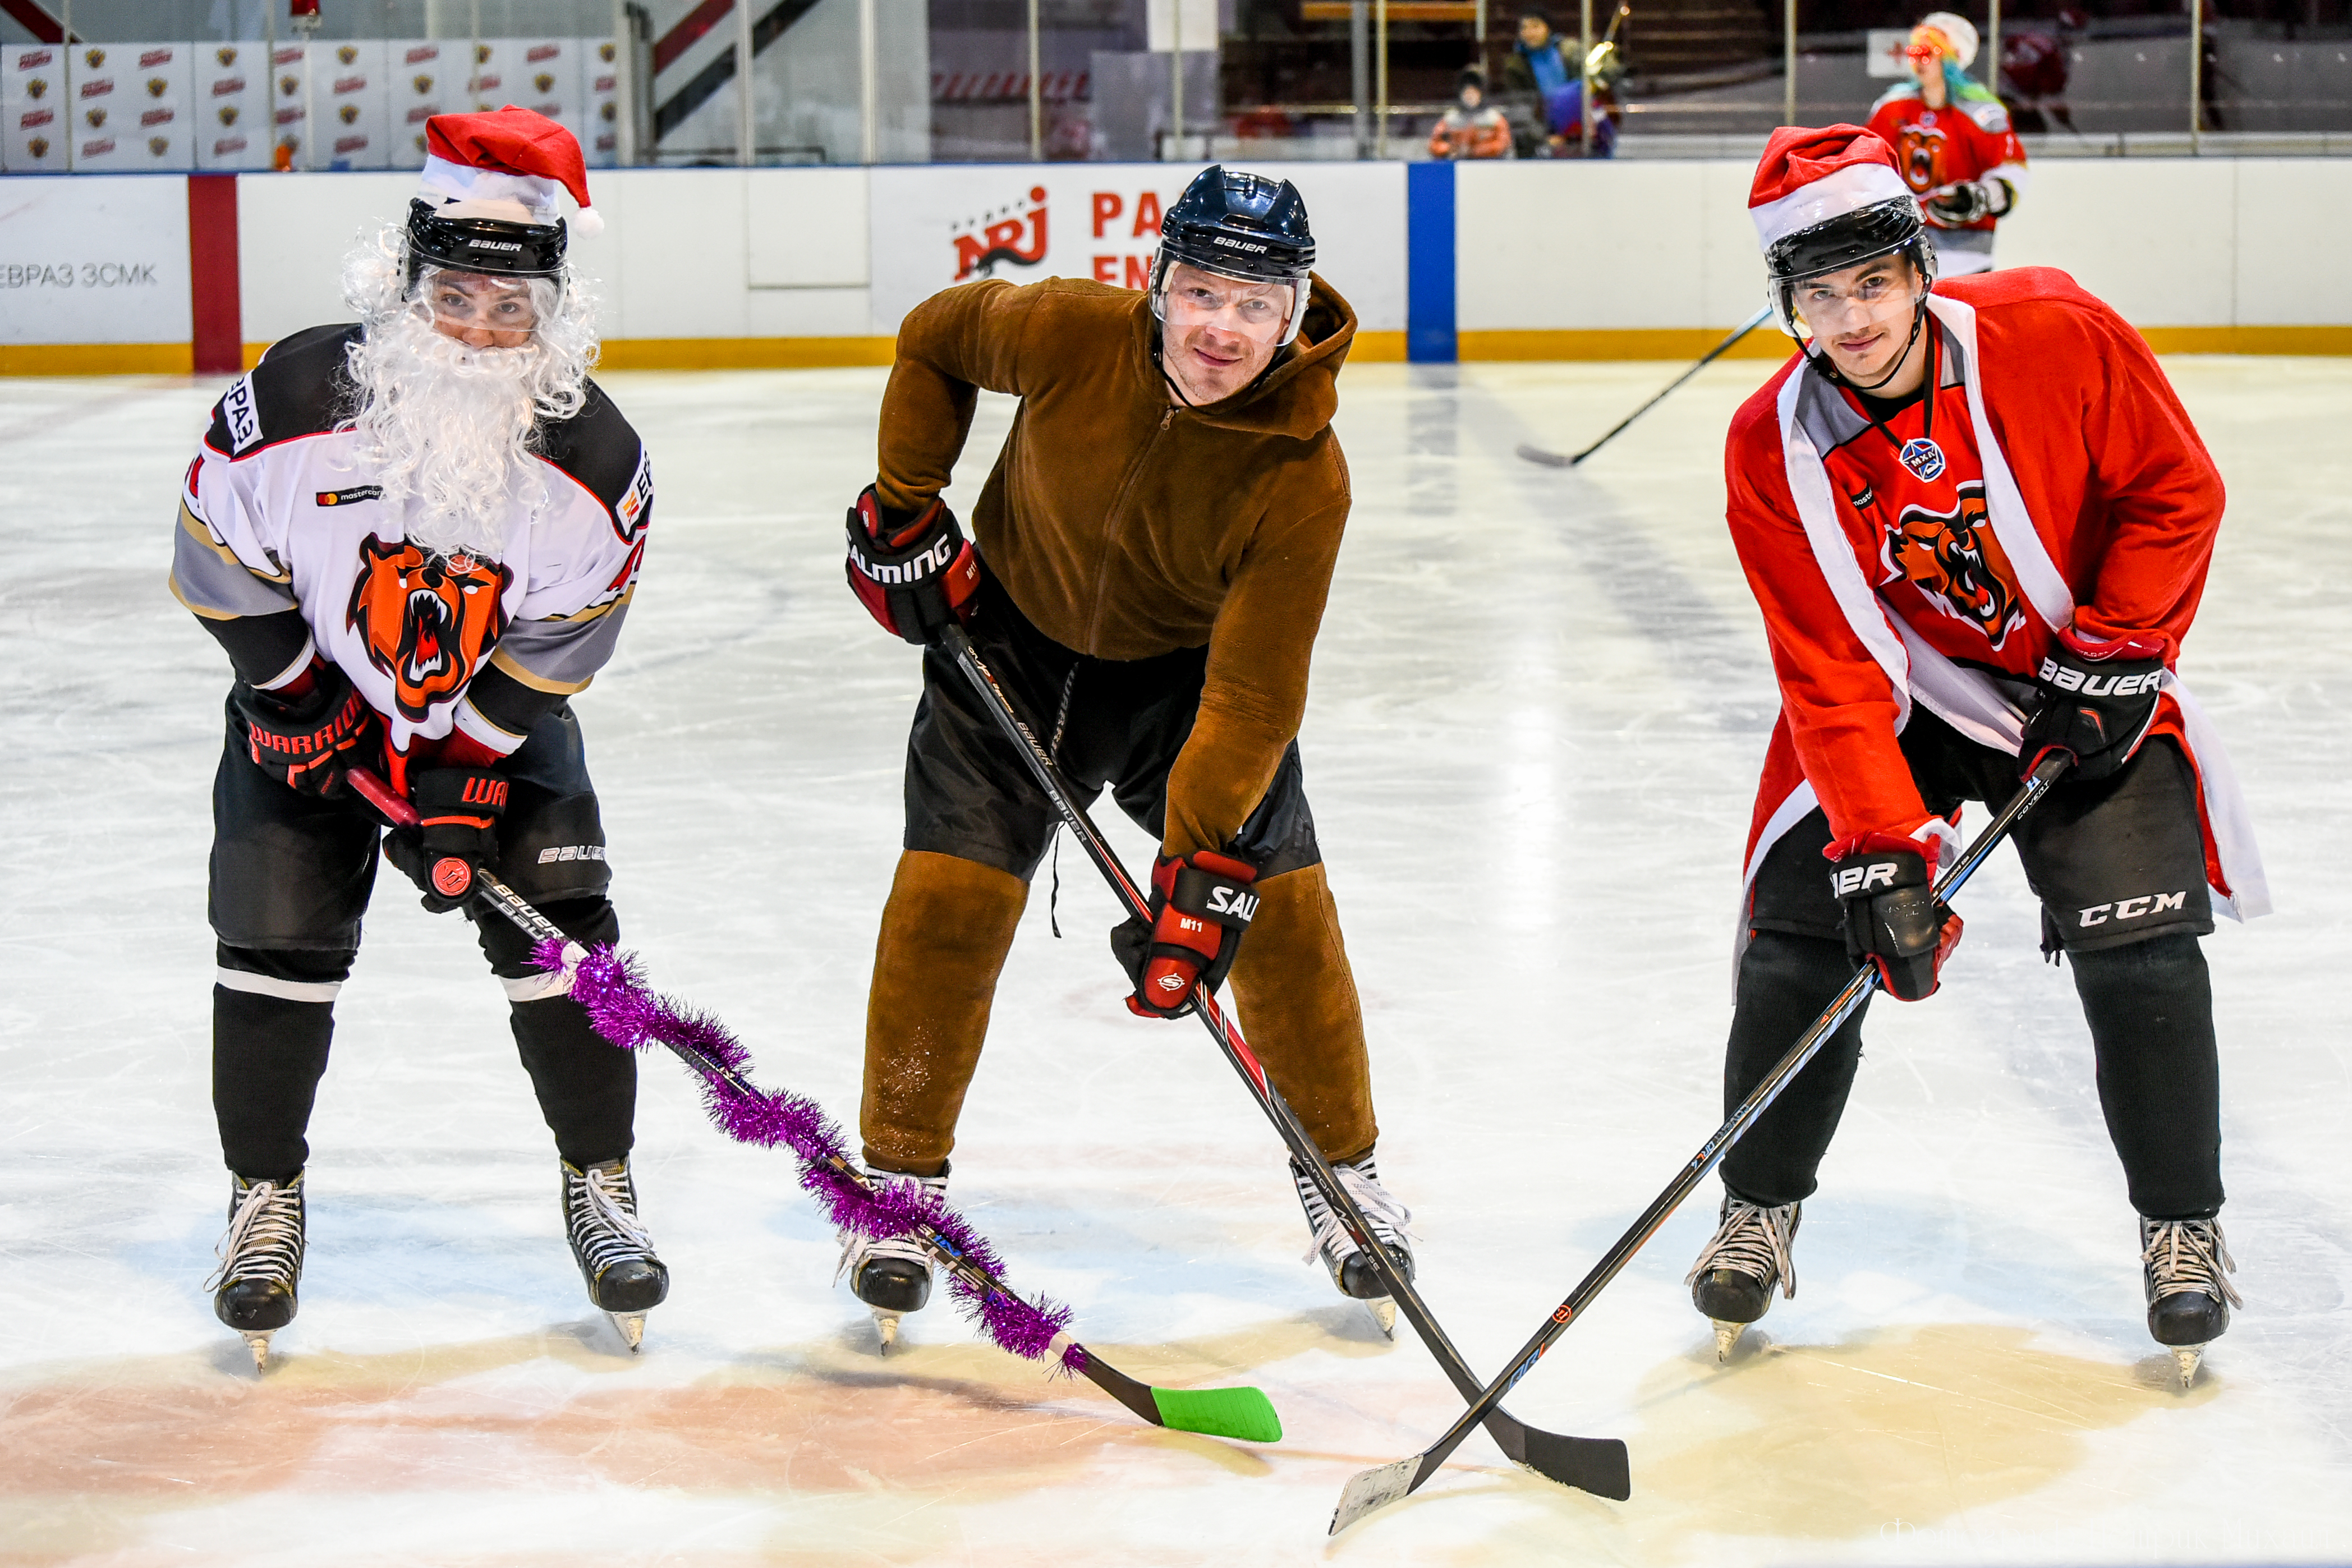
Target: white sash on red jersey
[[1963, 698]]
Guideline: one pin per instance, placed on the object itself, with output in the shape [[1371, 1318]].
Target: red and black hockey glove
[[306, 732], [2097, 701], [1893, 917], [914, 574], [1201, 905], [457, 837]]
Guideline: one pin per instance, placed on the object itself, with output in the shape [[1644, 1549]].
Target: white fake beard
[[449, 432]]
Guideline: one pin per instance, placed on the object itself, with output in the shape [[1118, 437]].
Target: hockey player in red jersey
[[1159, 536], [1953, 143], [414, 538], [1978, 522]]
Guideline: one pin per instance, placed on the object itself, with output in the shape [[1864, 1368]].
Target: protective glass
[[472, 302], [1875, 290], [1189, 296]]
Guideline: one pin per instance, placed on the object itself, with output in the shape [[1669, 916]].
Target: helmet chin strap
[[1828, 369]]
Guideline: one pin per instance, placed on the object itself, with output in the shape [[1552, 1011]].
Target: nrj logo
[[995, 237]]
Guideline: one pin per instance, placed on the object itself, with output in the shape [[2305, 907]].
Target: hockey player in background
[[414, 538], [1953, 143], [1977, 523], [1154, 547]]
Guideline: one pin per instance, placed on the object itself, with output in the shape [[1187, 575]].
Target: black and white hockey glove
[[1893, 917], [2097, 701], [914, 575], [305, 733], [457, 838], [1964, 202]]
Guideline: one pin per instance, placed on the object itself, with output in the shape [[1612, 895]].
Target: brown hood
[[1298, 396]]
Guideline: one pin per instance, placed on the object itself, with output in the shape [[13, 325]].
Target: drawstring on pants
[[1054, 756]]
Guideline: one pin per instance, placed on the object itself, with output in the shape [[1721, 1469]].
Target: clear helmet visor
[[478, 309], [1883, 289], [1187, 298]]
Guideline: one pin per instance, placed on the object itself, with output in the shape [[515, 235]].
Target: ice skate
[[260, 1261], [892, 1276], [1748, 1254], [1352, 1269], [613, 1250], [2189, 1300]]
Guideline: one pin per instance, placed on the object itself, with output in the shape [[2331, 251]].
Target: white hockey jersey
[[277, 514]]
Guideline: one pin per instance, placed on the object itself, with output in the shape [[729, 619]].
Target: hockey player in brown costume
[[1157, 534]]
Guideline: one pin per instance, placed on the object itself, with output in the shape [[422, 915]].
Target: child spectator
[[1473, 127]]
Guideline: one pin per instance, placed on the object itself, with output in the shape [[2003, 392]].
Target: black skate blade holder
[[1369, 1490], [1242, 1413], [1596, 1465]]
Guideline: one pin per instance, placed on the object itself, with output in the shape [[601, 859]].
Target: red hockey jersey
[[2075, 491], [1935, 147]]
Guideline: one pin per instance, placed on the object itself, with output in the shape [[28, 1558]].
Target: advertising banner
[[133, 108], [34, 108], [600, 77], [428, 77], [933, 227], [289, 100], [349, 94], [230, 120], [94, 261]]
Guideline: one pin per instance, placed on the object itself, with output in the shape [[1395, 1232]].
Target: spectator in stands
[[1542, 67], [1473, 127]]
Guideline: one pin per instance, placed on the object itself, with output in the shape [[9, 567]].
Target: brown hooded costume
[[1125, 527]]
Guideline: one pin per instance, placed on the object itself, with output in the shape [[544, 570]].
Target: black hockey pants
[[2122, 844], [291, 875]]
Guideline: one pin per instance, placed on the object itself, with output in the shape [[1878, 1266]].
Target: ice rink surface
[[1540, 699]]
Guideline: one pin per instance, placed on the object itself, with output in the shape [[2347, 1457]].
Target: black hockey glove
[[2097, 701], [1201, 905], [305, 733], [1964, 202], [914, 574], [457, 837], [1893, 917]]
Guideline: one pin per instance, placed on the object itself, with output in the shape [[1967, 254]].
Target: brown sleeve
[[1256, 693], [957, 340]]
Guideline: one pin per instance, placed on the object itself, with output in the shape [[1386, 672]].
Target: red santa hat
[[506, 167], [1809, 175]]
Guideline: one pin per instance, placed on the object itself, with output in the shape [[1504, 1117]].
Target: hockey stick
[[1554, 460], [626, 1012], [1593, 1464], [1377, 1487]]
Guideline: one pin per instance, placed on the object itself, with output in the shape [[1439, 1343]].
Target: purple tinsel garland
[[630, 1014]]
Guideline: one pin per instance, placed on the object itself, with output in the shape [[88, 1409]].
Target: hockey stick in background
[[1554, 460], [1377, 1487], [1596, 1465], [630, 1015]]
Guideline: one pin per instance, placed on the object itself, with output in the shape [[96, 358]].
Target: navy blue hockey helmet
[[1239, 225]]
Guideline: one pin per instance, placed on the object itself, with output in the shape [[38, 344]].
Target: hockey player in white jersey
[[414, 538]]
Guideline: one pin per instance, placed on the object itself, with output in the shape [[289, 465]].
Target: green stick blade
[[1243, 1413]]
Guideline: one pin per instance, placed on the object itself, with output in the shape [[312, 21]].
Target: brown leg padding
[[945, 933], [1297, 999]]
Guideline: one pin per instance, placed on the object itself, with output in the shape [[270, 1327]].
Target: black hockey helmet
[[1238, 225], [491, 246], [1883, 228]]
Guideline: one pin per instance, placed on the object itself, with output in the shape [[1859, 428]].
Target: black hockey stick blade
[[1369, 1490], [1554, 460], [1549, 459]]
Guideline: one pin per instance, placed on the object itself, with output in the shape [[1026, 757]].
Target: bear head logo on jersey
[[426, 620], [1958, 565]]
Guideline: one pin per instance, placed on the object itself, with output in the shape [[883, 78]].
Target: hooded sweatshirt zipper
[[1110, 526]]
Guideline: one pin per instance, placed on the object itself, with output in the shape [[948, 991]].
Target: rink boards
[[710, 268]]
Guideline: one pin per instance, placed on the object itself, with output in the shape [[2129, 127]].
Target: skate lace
[[1382, 1212], [1753, 1241], [2184, 1255], [264, 1240], [603, 1216], [857, 1249]]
